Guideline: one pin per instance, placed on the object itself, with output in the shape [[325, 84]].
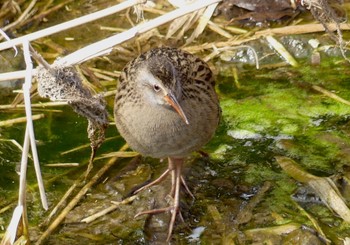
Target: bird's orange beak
[[170, 98]]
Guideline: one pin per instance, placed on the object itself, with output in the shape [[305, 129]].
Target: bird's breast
[[159, 131]]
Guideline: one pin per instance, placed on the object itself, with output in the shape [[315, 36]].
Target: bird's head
[[160, 86]]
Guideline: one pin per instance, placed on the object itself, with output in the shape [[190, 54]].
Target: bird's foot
[[183, 181], [154, 182], [175, 166], [174, 211], [155, 211]]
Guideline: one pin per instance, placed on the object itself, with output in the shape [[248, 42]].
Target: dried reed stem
[[10, 122], [77, 198], [104, 46], [26, 92], [70, 24]]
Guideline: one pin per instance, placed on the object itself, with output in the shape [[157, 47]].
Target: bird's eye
[[156, 87]]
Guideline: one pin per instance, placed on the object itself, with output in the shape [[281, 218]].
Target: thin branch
[[8, 39], [105, 46], [70, 24], [26, 92]]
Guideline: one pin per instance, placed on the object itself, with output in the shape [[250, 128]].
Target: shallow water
[[242, 195], [272, 113]]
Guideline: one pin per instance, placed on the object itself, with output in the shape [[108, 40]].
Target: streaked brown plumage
[[166, 106]]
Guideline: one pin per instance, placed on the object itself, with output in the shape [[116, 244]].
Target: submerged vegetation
[[276, 171]]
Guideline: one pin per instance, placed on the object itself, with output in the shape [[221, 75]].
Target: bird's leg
[[175, 166], [183, 182], [171, 167]]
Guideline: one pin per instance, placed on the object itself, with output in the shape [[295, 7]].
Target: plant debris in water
[[326, 15], [64, 84]]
